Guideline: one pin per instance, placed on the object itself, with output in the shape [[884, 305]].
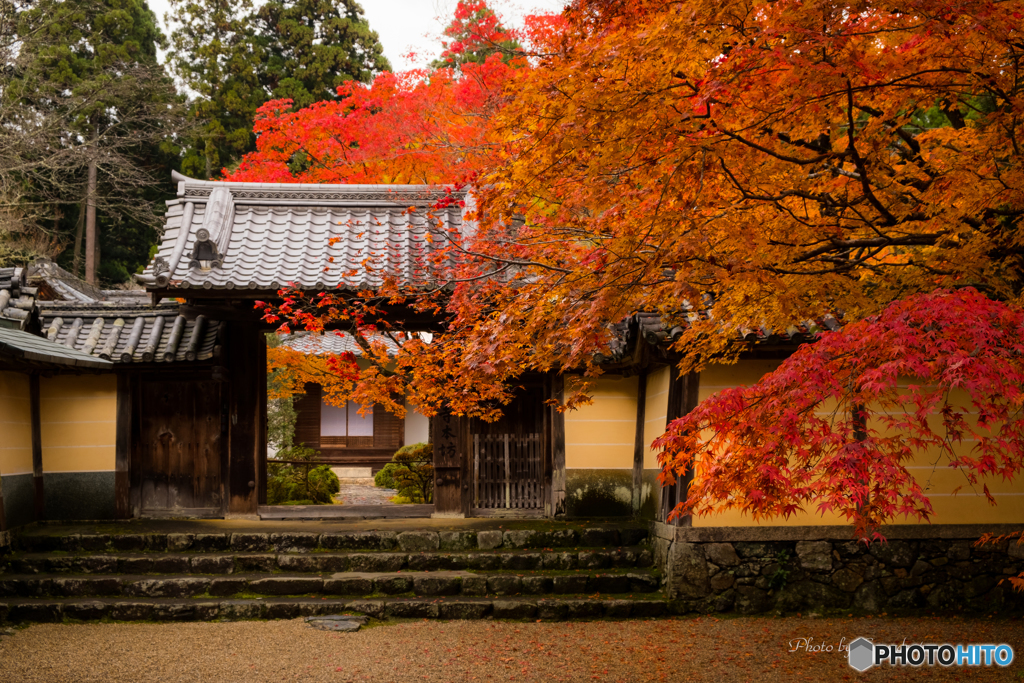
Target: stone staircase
[[557, 572]]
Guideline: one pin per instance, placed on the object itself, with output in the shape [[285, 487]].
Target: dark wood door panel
[[181, 445]]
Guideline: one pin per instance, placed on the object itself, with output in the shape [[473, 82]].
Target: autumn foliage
[[292, 370], [834, 428], [728, 166]]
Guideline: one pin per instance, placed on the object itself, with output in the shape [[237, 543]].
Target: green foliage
[[301, 484], [215, 52], [86, 88], [311, 47], [385, 479], [410, 472], [236, 58], [281, 413]]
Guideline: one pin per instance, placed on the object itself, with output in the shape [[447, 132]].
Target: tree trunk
[[90, 227], [76, 263]]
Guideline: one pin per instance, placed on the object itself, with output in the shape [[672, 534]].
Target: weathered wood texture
[[246, 357], [509, 471], [683, 396], [3, 519], [37, 444], [345, 511], [123, 448], [307, 417], [509, 456], [556, 420], [181, 445], [451, 440], [639, 447], [261, 413]]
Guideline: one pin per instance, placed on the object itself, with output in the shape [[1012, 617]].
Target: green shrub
[[411, 473], [385, 478], [301, 484]]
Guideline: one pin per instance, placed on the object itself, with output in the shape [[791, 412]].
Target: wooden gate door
[[182, 448], [509, 457]]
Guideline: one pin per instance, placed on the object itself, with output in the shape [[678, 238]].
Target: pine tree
[[313, 46]]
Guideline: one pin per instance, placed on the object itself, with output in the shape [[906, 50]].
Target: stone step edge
[[342, 584], [346, 552], [408, 541], [552, 609], [165, 563]]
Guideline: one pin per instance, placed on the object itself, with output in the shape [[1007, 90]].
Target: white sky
[[416, 25]]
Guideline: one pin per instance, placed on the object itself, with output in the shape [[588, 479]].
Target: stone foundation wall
[[798, 569]]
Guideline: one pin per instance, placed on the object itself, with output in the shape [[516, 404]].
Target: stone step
[[37, 540], [339, 584], [206, 609], [323, 562]]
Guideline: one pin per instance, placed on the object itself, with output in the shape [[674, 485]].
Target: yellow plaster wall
[[78, 422], [601, 435], [655, 412], [968, 506], [15, 424]]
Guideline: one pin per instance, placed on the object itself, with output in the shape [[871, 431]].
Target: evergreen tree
[[313, 46], [85, 106], [234, 59], [215, 53]]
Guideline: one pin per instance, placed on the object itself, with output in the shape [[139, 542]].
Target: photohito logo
[[863, 654]]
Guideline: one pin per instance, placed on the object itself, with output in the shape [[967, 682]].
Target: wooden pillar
[[261, 413], [639, 447], [123, 448], [37, 445], [451, 441], [683, 395], [135, 448], [554, 505], [246, 358], [3, 520]]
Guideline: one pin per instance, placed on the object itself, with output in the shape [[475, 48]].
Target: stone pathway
[[363, 492]]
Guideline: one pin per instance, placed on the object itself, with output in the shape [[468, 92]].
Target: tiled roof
[[16, 298], [57, 284], [127, 333], [264, 236], [24, 347], [332, 343], [651, 328]]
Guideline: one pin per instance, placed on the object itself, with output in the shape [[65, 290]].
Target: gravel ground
[[685, 649], [363, 492]]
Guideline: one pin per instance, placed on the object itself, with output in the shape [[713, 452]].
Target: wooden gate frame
[[453, 461]]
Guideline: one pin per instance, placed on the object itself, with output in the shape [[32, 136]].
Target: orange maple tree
[[292, 370], [727, 166]]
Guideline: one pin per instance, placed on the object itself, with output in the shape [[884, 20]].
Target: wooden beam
[[557, 446], [123, 448], [3, 521], [639, 447], [244, 356], [261, 413], [683, 396], [37, 444], [135, 453]]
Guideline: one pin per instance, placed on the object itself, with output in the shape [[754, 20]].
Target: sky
[[416, 25]]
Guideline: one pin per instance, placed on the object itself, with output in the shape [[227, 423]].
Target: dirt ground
[[683, 649]]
